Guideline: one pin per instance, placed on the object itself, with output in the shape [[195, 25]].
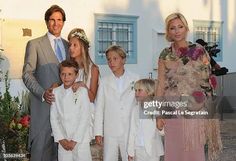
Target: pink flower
[[199, 96], [213, 81], [25, 121], [195, 52], [182, 51]]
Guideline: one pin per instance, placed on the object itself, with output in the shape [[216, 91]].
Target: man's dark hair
[[51, 10]]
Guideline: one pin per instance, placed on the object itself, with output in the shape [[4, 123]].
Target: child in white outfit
[[115, 100], [69, 117], [88, 72], [144, 142]]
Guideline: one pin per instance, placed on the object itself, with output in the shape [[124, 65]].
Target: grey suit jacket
[[40, 71]]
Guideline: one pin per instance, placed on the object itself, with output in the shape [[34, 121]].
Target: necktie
[[58, 50]]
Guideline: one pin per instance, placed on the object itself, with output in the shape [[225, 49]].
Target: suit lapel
[[112, 83], [49, 53], [128, 83], [47, 50]]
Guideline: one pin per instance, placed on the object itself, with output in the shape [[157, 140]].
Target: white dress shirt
[[61, 45]]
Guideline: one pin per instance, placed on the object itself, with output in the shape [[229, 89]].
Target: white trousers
[[81, 152], [142, 155], [113, 146]]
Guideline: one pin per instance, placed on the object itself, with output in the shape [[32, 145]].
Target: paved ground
[[228, 134]]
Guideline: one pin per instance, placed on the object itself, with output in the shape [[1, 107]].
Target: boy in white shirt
[[69, 117], [144, 143], [115, 100]]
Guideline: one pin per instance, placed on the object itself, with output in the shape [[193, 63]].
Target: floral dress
[[186, 74]]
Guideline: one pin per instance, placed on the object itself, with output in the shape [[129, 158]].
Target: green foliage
[[12, 110], [8, 108]]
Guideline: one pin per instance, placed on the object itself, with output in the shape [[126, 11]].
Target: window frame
[[211, 26], [130, 21]]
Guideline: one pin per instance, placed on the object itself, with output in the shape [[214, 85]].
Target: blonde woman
[[184, 71]]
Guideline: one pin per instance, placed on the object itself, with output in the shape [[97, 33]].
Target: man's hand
[[49, 96], [55, 85], [130, 158], [65, 144], [72, 144]]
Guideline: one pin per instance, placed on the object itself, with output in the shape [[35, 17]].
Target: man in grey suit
[[40, 71]]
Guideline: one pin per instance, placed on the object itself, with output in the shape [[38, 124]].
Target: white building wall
[[80, 13]]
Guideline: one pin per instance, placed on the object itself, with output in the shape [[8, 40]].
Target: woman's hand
[[76, 85], [160, 123]]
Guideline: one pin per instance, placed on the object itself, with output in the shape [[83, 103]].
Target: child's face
[[75, 48], [68, 76], [115, 62], [140, 94]]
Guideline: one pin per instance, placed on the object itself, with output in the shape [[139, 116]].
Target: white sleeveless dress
[[92, 106]]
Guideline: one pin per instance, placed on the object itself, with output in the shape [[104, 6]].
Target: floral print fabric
[[186, 73]]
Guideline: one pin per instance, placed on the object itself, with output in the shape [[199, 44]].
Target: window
[[115, 29], [210, 32]]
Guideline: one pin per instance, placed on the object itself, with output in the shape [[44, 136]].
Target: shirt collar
[[121, 77], [52, 37]]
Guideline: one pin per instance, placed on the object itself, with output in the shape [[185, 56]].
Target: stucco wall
[[151, 19]]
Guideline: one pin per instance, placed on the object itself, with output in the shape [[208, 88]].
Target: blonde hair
[[118, 49], [148, 85], [172, 17], [86, 60]]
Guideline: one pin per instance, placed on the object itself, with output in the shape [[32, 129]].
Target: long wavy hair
[[84, 42]]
